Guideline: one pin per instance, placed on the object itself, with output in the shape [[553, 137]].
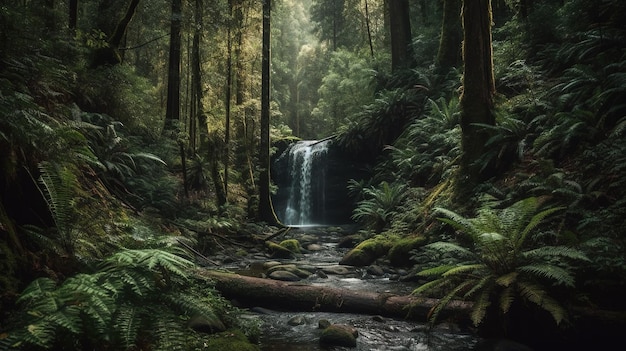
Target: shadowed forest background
[[133, 140]]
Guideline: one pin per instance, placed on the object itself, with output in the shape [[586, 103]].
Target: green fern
[[504, 261], [136, 294]]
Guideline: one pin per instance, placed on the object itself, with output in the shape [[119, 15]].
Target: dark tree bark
[[73, 16], [111, 55], [197, 108], [449, 53], [477, 103], [302, 297], [266, 210], [369, 31], [400, 30], [172, 113]]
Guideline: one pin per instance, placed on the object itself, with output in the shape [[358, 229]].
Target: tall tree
[[400, 31], [449, 53], [477, 100], [172, 110], [266, 210]]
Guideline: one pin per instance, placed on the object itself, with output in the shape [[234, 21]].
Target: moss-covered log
[[251, 291]]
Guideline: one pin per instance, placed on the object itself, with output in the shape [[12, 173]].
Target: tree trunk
[[172, 113], [477, 103], [296, 296], [120, 30], [400, 30], [266, 210], [449, 54], [369, 31], [73, 16]]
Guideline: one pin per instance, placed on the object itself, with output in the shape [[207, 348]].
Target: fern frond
[[37, 289], [127, 325], [507, 296], [537, 295], [479, 309], [450, 248], [169, 332], [507, 279], [430, 286], [464, 269], [534, 221], [555, 273], [545, 252], [435, 271]]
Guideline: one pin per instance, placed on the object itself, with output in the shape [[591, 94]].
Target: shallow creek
[[291, 331]]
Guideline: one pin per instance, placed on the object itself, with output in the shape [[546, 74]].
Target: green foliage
[[135, 297], [500, 259], [379, 204]]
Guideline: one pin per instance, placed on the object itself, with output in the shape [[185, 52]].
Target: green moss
[[292, 245], [278, 251], [230, 340], [400, 252]]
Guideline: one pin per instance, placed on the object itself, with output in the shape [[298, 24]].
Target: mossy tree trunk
[[477, 99], [449, 53]]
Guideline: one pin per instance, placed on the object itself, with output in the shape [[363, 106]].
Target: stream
[[284, 330]]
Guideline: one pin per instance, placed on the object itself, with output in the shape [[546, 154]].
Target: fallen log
[[297, 296]]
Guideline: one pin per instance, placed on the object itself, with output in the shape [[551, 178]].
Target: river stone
[[270, 264], [296, 320], [323, 323], [337, 270], [291, 268], [375, 270], [314, 247], [204, 325], [339, 335], [284, 276]]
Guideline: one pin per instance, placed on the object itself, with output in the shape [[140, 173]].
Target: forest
[[486, 142]]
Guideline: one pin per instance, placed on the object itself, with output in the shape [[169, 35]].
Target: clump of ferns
[[379, 204], [135, 298], [498, 259]]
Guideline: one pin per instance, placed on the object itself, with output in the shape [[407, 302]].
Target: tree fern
[[501, 263]]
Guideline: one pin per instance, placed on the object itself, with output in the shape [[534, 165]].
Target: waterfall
[[307, 171]]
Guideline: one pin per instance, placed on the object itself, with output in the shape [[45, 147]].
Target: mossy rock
[[367, 252], [278, 251], [339, 335], [230, 340], [400, 253], [292, 245]]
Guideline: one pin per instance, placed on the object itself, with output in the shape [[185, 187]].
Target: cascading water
[[307, 172]]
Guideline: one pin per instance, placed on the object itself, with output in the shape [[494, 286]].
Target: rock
[[375, 270], [366, 252], [204, 325], [348, 242], [323, 323], [278, 251], [297, 320], [379, 319], [314, 247], [339, 335], [292, 245], [337, 270], [270, 264], [320, 274], [284, 276], [291, 268], [400, 253]]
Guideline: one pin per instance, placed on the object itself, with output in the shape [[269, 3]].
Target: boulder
[[339, 335], [284, 276], [400, 253]]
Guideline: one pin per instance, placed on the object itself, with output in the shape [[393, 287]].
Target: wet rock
[[291, 268], [284, 276], [292, 245], [320, 274], [204, 325], [270, 264], [297, 320], [339, 335], [375, 270], [348, 242], [278, 251], [337, 270], [400, 253], [366, 252], [379, 319], [314, 247], [323, 323]]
